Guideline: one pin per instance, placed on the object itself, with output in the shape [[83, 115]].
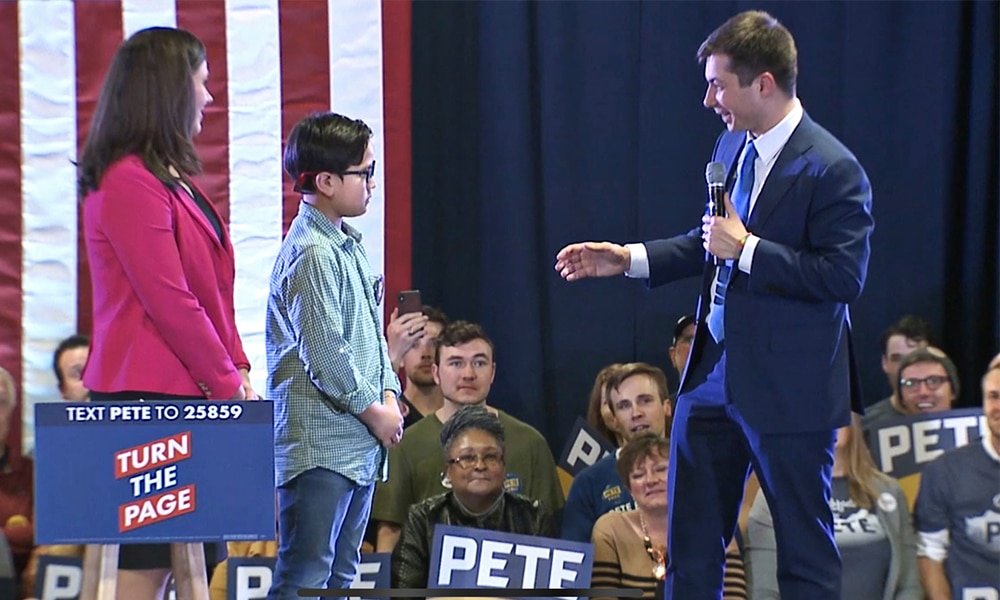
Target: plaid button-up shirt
[[327, 359]]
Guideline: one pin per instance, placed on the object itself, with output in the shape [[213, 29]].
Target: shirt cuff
[[933, 544], [639, 269], [746, 257]]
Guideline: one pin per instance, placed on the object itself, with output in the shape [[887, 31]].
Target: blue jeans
[[321, 521]]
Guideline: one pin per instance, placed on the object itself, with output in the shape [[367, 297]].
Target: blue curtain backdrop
[[540, 124]]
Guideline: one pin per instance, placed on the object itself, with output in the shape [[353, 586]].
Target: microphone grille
[[715, 173]]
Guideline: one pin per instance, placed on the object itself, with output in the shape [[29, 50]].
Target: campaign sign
[[249, 578], [127, 472], [903, 445], [58, 577], [464, 557], [584, 448]]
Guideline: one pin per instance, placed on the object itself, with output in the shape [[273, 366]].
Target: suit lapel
[[787, 168], [198, 215]]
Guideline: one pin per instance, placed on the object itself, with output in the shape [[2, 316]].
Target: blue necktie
[[741, 200]]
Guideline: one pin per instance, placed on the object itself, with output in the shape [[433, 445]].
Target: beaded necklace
[[659, 557]]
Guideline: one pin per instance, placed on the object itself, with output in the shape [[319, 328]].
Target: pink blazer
[[162, 285]]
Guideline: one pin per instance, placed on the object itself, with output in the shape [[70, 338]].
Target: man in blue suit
[[772, 372]]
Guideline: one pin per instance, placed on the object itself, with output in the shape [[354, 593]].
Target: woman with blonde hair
[[872, 527]]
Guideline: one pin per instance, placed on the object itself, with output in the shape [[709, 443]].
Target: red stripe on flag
[[207, 20], [93, 57], [305, 76], [396, 82], [10, 207]]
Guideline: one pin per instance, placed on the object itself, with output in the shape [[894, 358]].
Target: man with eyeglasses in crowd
[[928, 382], [905, 335], [464, 368]]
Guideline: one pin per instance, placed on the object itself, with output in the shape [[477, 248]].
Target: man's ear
[[766, 84]]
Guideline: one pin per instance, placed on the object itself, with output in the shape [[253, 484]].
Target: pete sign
[[479, 558], [902, 446], [584, 448], [250, 578]]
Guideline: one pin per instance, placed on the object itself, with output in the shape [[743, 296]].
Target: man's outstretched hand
[[592, 259]]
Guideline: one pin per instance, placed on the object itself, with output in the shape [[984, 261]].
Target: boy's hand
[[384, 422]]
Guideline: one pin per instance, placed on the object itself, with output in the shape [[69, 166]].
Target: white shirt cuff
[[746, 257], [639, 269], [933, 544]]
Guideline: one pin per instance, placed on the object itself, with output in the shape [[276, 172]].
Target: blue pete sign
[[127, 472], [584, 448], [250, 578], [903, 445], [479, 558], [247, 578]]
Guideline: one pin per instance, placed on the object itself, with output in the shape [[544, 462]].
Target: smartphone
[[409, 302]]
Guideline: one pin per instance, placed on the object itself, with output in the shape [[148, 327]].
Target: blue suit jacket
[[789, 361]]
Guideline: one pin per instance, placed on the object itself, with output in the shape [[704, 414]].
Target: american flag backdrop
[[271, 62]]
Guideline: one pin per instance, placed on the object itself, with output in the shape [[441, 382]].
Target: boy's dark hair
[[146, 107], [324, 142], [755, 42], [74, 341], [457, 333]]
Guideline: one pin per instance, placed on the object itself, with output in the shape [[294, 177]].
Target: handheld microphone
[[715, 178]]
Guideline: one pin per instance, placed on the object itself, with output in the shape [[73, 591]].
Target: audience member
[[680, 349], [907, 334], [927, 382], [67, 363], [630, 547], [957, 514], [638, 400], [872, 528], [464, 368], [474, 464], [16, 489], [411, 340], [599, 415]]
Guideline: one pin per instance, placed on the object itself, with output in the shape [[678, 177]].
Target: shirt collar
[[339, 234], [770, 143], [990, 450]]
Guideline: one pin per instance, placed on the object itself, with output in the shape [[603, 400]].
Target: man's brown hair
[[755, 43]]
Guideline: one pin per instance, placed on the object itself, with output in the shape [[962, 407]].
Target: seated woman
[[630, 547], [599, 415], [473, 444], [872, 528]]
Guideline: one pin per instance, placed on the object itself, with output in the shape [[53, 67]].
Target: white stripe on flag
[[254, 88], [356, 92], [48, 184], [140, 14]]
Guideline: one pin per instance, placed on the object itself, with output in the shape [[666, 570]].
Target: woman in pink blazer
[[161, 261]]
